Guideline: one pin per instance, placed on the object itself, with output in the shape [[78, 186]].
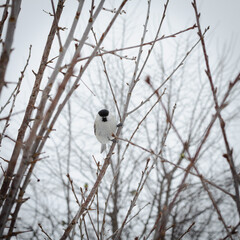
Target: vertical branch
[[45, 118], [133, 202], [69, 150], [228, 155], [85, 204], [4, 59], [34, 154], [57, 67], [74, 86], [134, 78], [220, 217], [145, 172], [4, 17], [131, 87], [108, 80], [166, 212], [13, 103], [154, 41], [27, 156], [56, 22], [108, 158], [21, 133], [29, 108]]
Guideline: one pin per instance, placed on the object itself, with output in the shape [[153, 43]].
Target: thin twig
[[188, 230], [108, 80], [16, 91], [134, 200], [94, 228], [229, 155], [102, 52], [169, 77], [44, 231], [56, 22], [137, 46], [73, 190]]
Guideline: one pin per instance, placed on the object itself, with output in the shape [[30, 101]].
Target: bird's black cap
[[103, 113]]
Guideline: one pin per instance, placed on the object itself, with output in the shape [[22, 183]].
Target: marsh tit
[[104, 127]]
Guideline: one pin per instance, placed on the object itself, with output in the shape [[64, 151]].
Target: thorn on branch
[[147, 80], [35, 74], [5, 160], [23, 200], [62, 28], [225, 156]]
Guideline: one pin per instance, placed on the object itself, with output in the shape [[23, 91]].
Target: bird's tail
[[103, 147]]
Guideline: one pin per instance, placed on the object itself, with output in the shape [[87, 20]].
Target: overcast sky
[[33, 26], [222, 16]]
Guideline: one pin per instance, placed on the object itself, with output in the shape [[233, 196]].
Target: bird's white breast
[[105, 130]]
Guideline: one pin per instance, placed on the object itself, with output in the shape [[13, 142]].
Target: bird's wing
[[94, 128]]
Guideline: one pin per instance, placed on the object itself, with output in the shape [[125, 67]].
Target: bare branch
[[4, 59], [229, 150]]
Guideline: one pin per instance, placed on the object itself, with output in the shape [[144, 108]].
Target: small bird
[[104, 127]]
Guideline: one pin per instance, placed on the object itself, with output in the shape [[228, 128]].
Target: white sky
[[222, 16], [33, 26]]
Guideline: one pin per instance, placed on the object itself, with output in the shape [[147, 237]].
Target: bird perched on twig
[[104, 127]]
